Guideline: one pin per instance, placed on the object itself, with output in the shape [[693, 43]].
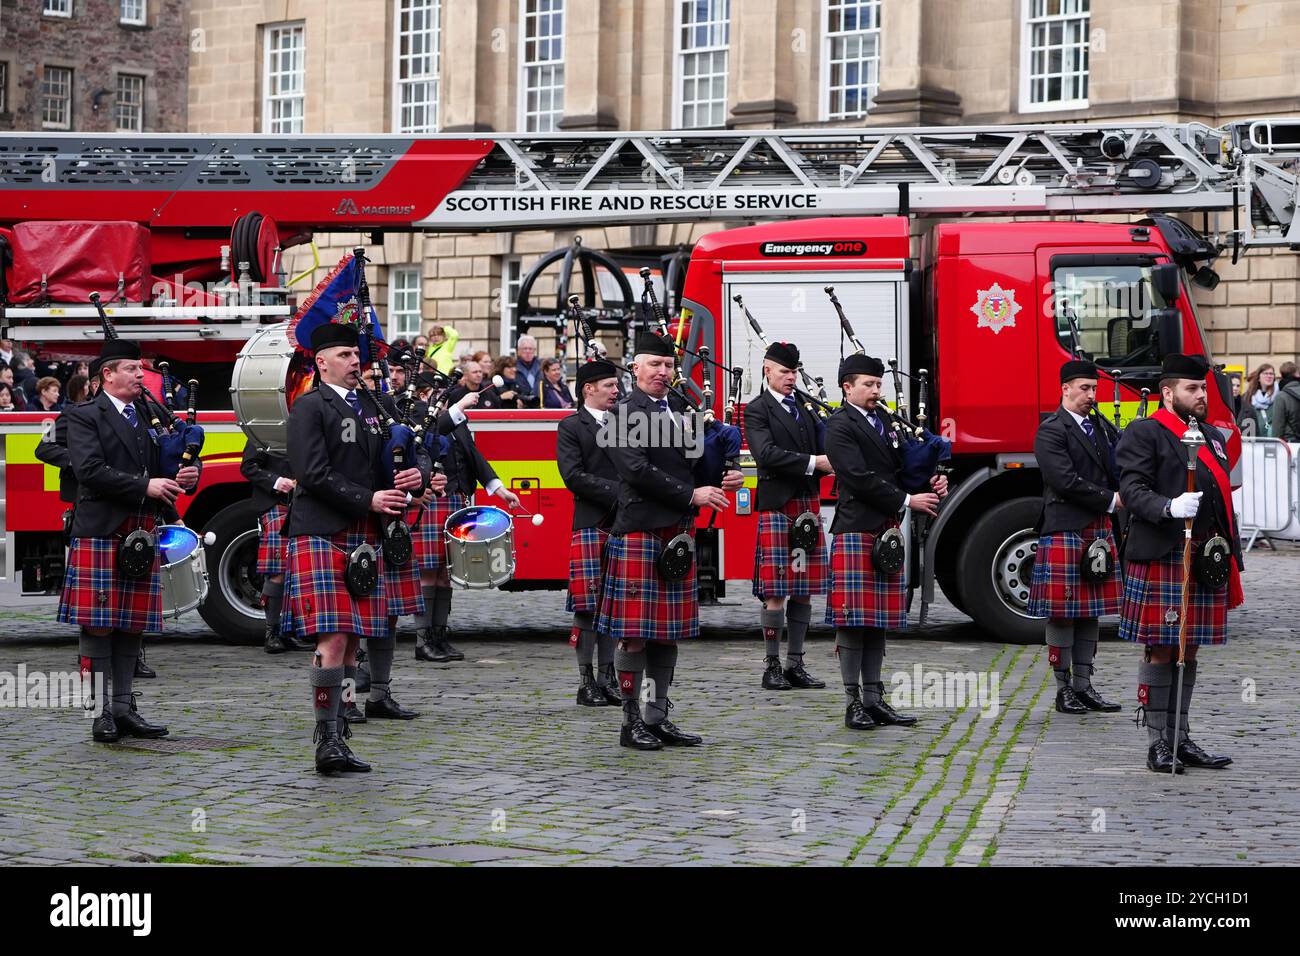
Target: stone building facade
[[372, 66], [95, 66]]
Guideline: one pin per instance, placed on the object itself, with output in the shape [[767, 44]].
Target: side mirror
[[1164, 277], [1169, 330]]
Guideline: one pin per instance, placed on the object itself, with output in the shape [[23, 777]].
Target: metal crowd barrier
[[1266, 501]]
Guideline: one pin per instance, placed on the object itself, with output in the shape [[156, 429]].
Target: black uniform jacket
[[658, 483], [869, 489], [781, 447], [1152, 472], [1078, 484], [262, 467], [338, 466], [588, 470], [112, 464], [54, 451], [464, 464]]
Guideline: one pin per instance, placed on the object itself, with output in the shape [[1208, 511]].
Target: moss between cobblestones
[[193, 860], [987, 858]]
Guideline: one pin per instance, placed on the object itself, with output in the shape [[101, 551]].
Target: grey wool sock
[[772, 622], [326, 694], [797, 617], [430, 594], [126, 648], [848, 644], [441, 606], [379, 654], [349, 690], [273, 602], [96, 655], [661, 661], [1060, 642], [1084, 652], [873, 660], [1189, 683], [604, 650], [584, 622], [1155, 678], [630, 665]]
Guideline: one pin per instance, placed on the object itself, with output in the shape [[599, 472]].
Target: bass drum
[[269, 374]]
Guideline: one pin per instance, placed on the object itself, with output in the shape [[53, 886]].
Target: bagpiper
[[1153, 462], [334, 563], [650, 600], [1076, 569], [867, 594], [268, 473], [112, 586], [790, 555], [589, 472]]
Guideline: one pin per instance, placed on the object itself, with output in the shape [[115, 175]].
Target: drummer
[[268, 473], [335, 451], [120, 489], [465, 468]]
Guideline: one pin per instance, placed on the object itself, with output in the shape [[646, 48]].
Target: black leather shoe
[[634, 733], [672, 735], [883, 714], [1160, 758], [363, 678], [330, 757], [1094, 701], [389, 709], [798, 677], [295, 643], [773, 679], [362, 656], [589, 695], [131, 724], [1067, 702], [273, 642], [426, 649], [352, 713], [855, 715], [1192, 755], [609, 685], [444, 646], [142, 669], [352, 763], [104, 729]]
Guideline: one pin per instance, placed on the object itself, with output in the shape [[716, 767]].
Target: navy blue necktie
[[1087, 427], [662, 403], [877, 424], [788, 402], [128, 412], [354, 402]]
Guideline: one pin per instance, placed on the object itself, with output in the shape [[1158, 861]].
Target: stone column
[[590, 65], [760, 79], [913, 85]]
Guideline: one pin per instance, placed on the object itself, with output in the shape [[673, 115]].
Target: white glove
[[1186, 505]]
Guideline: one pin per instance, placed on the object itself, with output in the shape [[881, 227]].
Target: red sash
[[1206, 457]]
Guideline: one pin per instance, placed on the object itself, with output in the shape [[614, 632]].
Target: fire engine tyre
[[994, 569], [233, 608]]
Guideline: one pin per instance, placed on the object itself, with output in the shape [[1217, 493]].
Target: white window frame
[[432, 104], [523, 115], [512, 279], [679, 61], [404, 272], [117, 102], [828, 44], [72, 79], [138, 21], [1026, 55], [57, 8], [270, 32]]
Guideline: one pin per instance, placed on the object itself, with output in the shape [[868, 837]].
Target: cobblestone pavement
[[503, 768]]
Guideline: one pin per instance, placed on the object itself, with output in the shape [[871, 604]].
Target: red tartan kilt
[[1153, 602], [430, 541], [636, 603], [402, 588], [586, 570], [774, 574], [96, 595], [860, 596], [316, 599], [270, 542], [1057, 589]]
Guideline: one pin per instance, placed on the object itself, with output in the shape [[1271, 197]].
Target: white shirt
[[1078, 420], [868, 416], [343, 392], [117, 402], [596, 414], [780, 400]]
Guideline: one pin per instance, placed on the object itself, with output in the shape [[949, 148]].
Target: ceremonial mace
[[1193, 441]]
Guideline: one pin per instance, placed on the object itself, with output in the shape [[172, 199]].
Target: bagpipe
[[922, 451], [180, 441], [819, 407]]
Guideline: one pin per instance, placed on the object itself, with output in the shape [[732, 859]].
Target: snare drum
[[480, 547], [184, 571]]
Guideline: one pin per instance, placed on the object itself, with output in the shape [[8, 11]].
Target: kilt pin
[[859, 595], [1058, 590], [270, 541], [774, 572], [96, 595], [587, 558], [316, 599], [637, 602]]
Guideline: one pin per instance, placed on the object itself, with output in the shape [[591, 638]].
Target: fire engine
[[186, 234]]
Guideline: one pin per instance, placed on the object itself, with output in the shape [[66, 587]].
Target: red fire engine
[[990, 308]]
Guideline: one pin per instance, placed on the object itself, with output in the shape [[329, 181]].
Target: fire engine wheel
[[233, 608], [995, 565]]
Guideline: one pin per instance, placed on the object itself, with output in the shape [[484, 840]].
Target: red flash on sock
[[573, 637], [1143, 693], [1053, 656], [322, 697], [769, 633], [626, 680], [85, 666]]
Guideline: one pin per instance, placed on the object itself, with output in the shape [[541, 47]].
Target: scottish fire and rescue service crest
[[996, 308]]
